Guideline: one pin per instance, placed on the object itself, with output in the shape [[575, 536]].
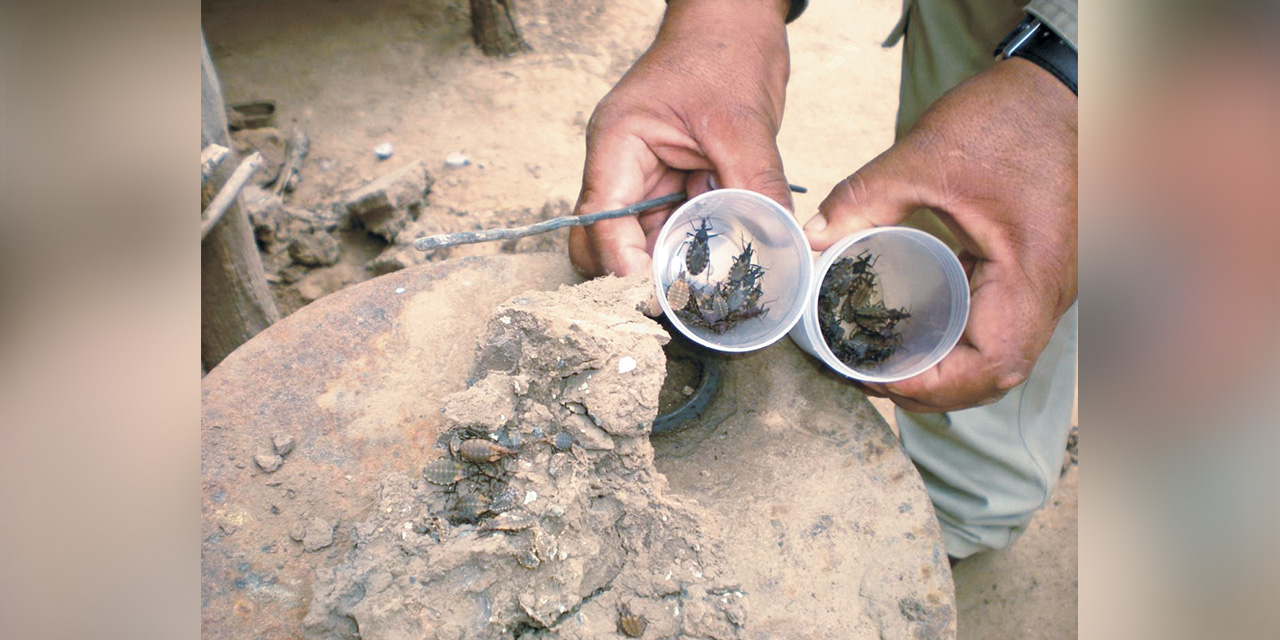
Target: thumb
[[877, 195]]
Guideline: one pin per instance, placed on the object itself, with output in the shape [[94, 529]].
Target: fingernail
[[712, 182], [815, 224]]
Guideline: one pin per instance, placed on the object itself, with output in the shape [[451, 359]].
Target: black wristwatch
[[1035, 41]]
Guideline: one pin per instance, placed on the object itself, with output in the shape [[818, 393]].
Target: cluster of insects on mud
[[477, 476], [855, 323], [720, 305]]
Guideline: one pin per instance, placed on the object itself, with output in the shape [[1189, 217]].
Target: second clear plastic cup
[[732, 218], [915, 271]]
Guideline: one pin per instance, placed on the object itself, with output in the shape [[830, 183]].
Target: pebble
[[318, 534], [283, 444], [627, 364], [563, 441], [530, 497], [267, 461], [456, 159], [384, 150]]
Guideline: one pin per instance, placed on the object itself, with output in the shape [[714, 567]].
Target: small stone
[[563, 441], [687, 390], [530, 496], [317, 248], [266, 213], [401, 256], [627, 364], [283, 443], [268, 461], [587, 434], [318, 534], [386, 205], [456, 159], [384, 150]]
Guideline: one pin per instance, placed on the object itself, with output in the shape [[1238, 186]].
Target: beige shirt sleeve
[[1061, 15]]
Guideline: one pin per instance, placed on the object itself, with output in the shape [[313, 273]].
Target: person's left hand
[[996, 159]]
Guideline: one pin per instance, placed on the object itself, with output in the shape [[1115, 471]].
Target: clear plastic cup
[[735, 217], [915, 270]]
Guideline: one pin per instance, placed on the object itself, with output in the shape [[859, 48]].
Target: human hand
[[996, 158], [706, 98]]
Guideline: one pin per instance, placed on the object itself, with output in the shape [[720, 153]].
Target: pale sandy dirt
[[357, 73]]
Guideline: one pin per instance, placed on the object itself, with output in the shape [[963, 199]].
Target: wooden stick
[[490, 235], [228, 194], [210, 158]]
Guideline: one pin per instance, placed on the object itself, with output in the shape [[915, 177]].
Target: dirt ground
[[359, 73]]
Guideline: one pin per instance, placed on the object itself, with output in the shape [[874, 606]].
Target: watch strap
[[1033, 40], [797, 8]]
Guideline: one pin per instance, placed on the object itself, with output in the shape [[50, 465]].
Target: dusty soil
[[359, 73]]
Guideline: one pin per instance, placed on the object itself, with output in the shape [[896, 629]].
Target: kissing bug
[[699, 253]]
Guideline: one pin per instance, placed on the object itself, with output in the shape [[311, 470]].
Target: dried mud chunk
[[283, 444], [317, 248], [268, 461], [317, 535], [550, 541], [489, 404], [385, 206]]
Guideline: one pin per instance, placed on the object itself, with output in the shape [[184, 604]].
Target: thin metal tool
[[492, 235]]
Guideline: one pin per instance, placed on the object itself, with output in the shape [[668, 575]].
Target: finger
[[1001, 343], [614, 176], [591, 260], [874, 390], [745, 156], [879, 194]]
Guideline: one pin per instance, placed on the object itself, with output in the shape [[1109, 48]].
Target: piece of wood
[[493, 26], [210, 157], [296, 150], [235, 301], [229, 193]]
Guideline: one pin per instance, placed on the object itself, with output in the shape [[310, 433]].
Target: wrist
[[754, 12]]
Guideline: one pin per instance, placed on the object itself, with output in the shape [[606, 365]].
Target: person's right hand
[[706, 98]]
